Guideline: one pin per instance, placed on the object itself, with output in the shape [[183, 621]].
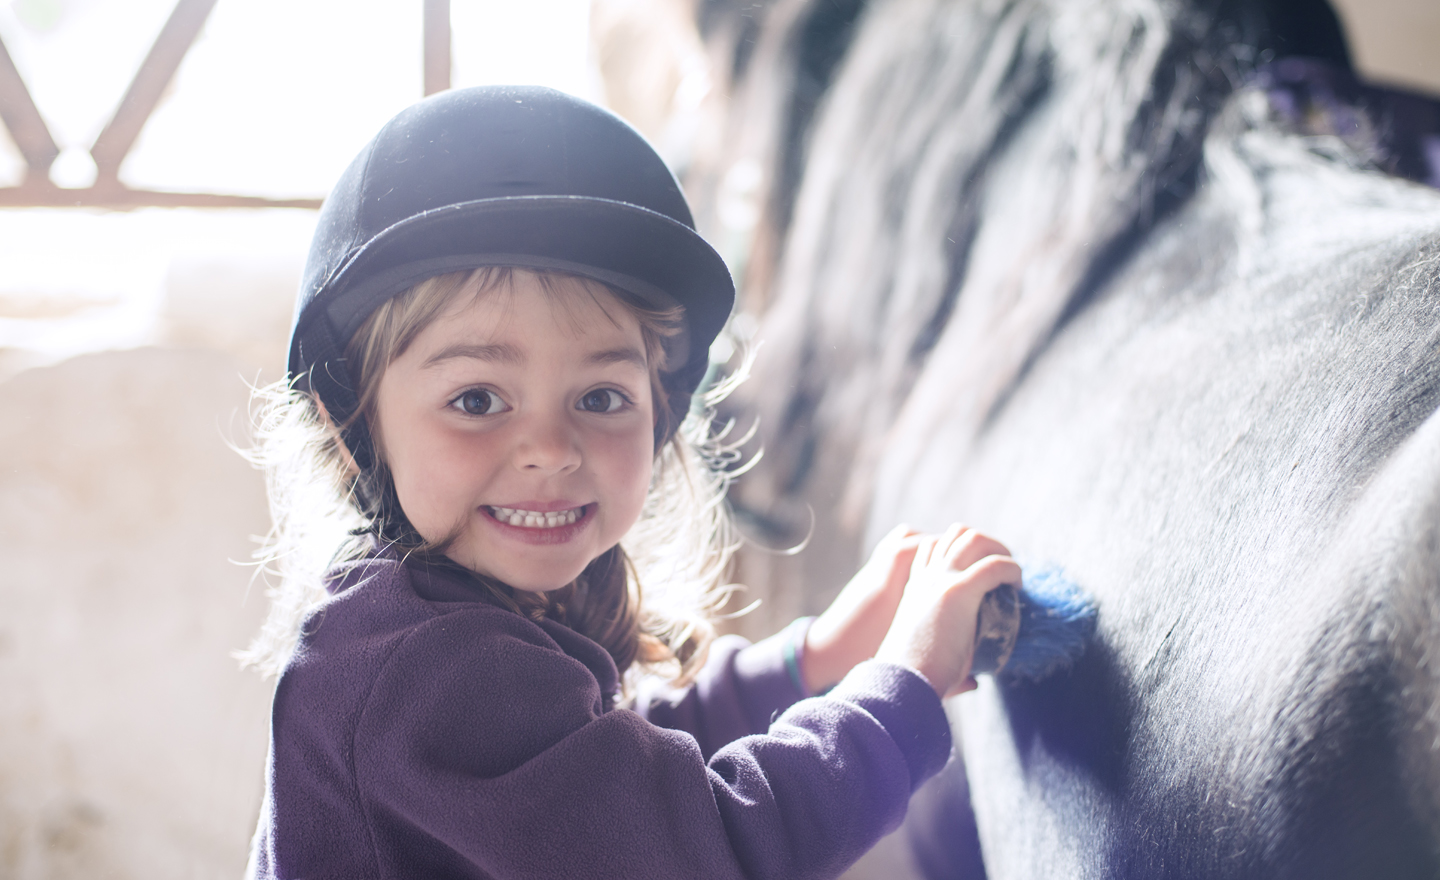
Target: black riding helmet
[[501, 176]]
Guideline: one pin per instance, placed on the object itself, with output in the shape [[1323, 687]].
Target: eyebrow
[[618, 356], [498, 353], [509, 354]]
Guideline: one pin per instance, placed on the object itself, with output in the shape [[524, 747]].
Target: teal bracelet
[[792, 664], [793, 652]]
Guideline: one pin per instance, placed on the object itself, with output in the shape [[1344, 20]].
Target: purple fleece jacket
[[420, 732]]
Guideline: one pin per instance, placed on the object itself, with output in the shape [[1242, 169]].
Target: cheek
[[626, 465], [433, 473]]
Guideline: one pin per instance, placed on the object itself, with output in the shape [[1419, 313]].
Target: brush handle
[[996, 629]]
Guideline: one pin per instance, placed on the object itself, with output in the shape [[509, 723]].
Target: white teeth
[[532, 519]]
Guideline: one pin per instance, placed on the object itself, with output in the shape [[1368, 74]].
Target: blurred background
[[146, 279]]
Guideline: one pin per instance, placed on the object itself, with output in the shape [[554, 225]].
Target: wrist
[[825, 659], [794, 653], [901, 652]]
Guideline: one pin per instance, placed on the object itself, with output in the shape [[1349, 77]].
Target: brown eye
[[479, 402], [601, 401]]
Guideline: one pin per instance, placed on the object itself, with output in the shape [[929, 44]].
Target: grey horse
[[1149, 289]]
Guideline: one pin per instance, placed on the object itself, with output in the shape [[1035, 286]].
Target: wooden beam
[[155, 73], [437, 46], [24, 122], [119, 198]]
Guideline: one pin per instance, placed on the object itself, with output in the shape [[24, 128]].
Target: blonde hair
[[679, 548]]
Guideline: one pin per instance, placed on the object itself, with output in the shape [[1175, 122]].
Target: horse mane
[[948, 182]]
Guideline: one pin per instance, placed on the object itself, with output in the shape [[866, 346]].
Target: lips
[[537, 519]]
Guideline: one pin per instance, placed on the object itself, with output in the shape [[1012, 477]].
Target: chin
[[537, 585], [529, 579], [529, 582]]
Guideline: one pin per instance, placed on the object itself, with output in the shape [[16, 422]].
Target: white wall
[[131, 744]]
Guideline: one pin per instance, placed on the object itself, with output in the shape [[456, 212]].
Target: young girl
[[504, 317]]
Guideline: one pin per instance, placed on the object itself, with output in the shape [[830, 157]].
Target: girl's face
[[522, 424]]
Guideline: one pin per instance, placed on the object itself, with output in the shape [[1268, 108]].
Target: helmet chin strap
[[329, 383], [359, 443]]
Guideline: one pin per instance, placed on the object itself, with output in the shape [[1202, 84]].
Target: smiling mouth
[[534, 519]]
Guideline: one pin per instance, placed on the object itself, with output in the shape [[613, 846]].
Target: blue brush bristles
[[1057, 619]]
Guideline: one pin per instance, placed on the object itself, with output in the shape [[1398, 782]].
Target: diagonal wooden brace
[[26, 125], [175, 39]]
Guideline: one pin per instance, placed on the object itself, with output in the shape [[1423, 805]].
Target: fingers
[[900, 562], [923, 550], [897, 536], [958, 548], [904, 559], [989, 573], [932, 630], [934, 547], [970, 586], [894, 555], [963, 559], [970, 547], [955, 533], [901, 542]]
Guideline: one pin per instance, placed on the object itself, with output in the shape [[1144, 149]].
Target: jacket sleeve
[[482, 752], [739, 691]]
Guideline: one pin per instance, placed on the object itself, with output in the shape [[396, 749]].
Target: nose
[[547, 445]]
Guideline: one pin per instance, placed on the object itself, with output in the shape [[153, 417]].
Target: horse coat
[[1254, 501], [1094, 278]]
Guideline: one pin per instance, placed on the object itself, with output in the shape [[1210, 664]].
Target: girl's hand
[[854, 625], [934, 628]]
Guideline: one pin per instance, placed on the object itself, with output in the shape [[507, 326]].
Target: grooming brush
[[1035, 631]]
